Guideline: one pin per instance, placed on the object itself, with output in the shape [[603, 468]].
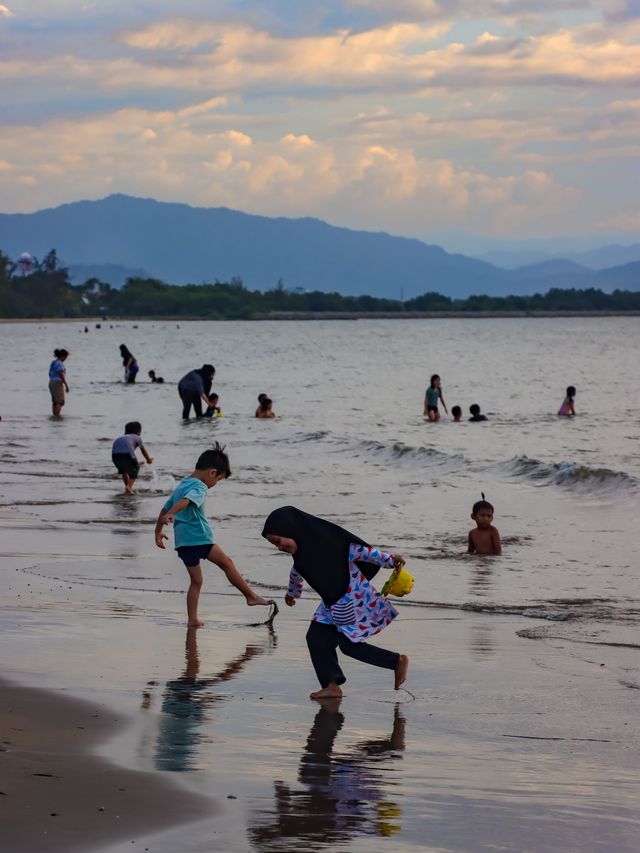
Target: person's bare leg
[[331, 691], [193, 596], [126, 479], [400, 671], [220, 559], [57, 408]]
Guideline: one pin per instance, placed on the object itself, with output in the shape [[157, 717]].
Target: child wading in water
[[339, 567], [485, 539], [432, 396], [193, 534], [567, 409], [123, 454]]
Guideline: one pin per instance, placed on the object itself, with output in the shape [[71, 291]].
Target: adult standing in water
[[58, 381], [194, 388], [130, 365]]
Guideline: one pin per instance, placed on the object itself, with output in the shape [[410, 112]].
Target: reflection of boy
[[485, 539]]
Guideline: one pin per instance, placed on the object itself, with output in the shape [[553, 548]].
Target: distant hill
[[593, 259], [176, 243]]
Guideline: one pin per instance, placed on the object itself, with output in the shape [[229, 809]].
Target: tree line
[[48, 292]]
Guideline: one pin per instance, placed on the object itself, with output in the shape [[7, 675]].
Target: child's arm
[[374, 555], [495, 541], [471, 548], [294, 589], [164, 517], [444, 405], [143, 450]]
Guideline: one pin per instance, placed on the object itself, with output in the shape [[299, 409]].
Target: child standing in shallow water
[[339, 567], [485, 539], [567, 409], [193, 533], [432, 397], [123, 454]]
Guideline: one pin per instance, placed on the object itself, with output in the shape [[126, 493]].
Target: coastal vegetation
[[48, 292]]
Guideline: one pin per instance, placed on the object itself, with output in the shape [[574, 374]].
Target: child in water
[[193, 533], [432, 397], [214, 410], [157, 379], [339, 567], [476, 416], [567, 409], [123, 454], [265, 410], [456, 414], [485, 539]]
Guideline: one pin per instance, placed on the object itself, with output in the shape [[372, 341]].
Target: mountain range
[[122, 236]]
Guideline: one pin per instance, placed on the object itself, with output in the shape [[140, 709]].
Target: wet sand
[[501, 743], [58, 795]]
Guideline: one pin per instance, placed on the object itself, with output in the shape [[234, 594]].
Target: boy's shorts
[[126, 464], [192, 554]]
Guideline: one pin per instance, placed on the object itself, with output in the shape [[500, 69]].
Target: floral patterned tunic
[[362, 611]]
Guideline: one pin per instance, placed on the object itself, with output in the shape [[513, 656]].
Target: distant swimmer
[[130, 365], [476, 415], [157, 379], [261, 397], [193, 533], [567, 408], [194, 388], [432, 397], [339, 567], [484, 539], [58, 381], [265, 409], [456, 414], [123, 454]]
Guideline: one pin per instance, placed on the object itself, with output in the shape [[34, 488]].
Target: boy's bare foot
[[252, 600], [401, 671], [195, 623], [331, 691]]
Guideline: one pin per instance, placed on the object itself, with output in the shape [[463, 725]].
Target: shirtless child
[[485, 539]]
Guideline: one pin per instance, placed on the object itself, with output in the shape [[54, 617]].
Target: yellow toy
[[400, 582]]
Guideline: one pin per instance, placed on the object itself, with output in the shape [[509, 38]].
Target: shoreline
[[328, 315], [58, 792]]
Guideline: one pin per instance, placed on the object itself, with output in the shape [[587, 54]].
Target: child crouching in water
[[339, 567], [193, 533], [485, 539]]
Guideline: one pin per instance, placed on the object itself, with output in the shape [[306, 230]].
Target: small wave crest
[[398, 451], [571, 475]]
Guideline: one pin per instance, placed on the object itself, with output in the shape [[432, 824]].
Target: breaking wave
[[571, 475]]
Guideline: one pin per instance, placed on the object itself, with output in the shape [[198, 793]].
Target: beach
[[518, 729]]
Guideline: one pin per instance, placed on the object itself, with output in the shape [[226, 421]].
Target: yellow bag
[[400, 583]]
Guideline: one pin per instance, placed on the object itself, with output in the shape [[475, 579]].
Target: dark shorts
[[192, 554], [126, 464], [432, 408]]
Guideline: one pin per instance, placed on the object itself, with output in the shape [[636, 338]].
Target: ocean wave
[[398, 451], [552, 610], [571, 475]]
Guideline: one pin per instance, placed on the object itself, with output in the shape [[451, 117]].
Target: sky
[[464, 120]]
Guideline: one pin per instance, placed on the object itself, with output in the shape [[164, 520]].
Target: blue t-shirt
[[190, 525], [433, 395], [55, 367], [127, 444]]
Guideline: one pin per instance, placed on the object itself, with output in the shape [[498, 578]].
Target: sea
[[349, 443]]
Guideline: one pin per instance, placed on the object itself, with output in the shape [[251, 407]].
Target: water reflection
[[343, 795], [481, 641], [186, 702]]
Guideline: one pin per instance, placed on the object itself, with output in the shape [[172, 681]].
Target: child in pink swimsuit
[[566, 409]]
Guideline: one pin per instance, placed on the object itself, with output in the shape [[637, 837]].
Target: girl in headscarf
[[339, 567]]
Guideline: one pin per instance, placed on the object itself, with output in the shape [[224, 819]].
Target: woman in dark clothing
[[130, 365], [339, 567], [194, 388]]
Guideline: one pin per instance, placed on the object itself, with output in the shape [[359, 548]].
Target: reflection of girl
[[130, 365], [339, 567], [58, 381], [343, 795]]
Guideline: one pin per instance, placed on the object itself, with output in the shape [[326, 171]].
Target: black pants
[[323, 640], [190, 398]]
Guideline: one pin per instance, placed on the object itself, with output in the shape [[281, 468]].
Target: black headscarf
[[322, 557], [126, 355], [206, 372]]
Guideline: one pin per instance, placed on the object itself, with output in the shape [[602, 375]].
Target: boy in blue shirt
[[123, 454], [193, 534]]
